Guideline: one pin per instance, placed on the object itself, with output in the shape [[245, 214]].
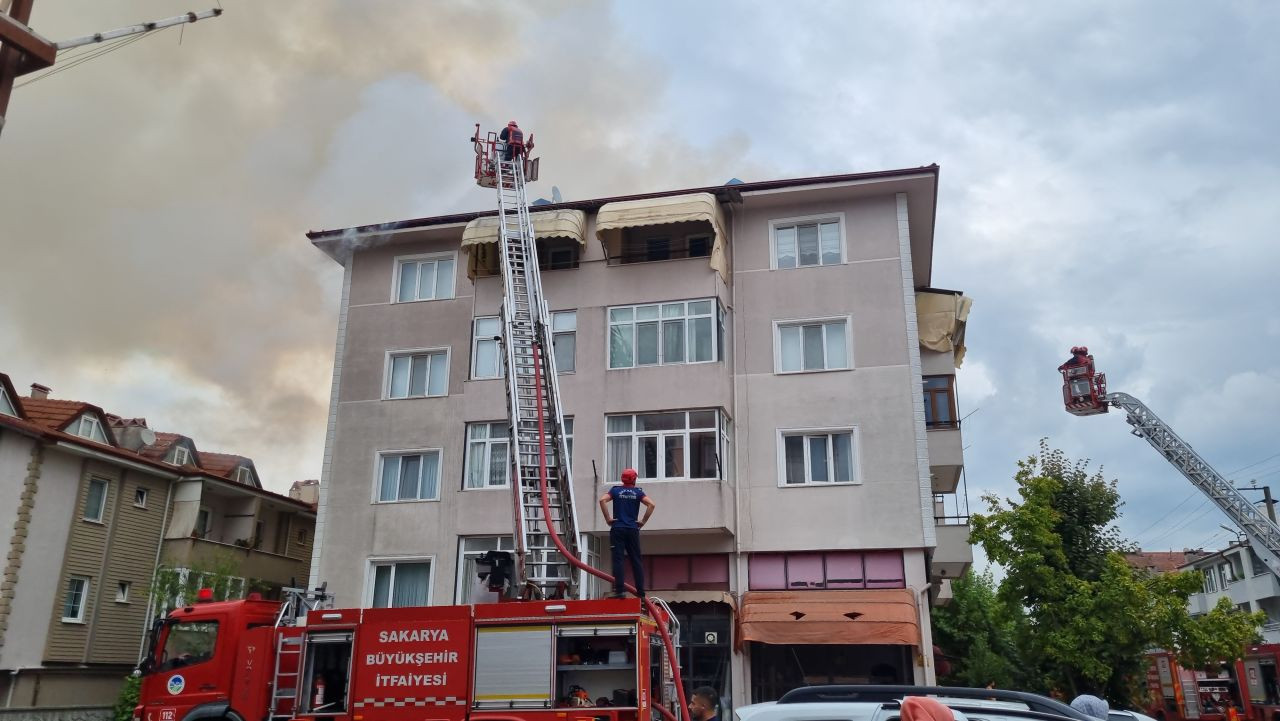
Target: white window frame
[[721, 430], [84, 598], [181, 456], [557, 333], [140, 496], [389, 358], [208, 526], [778, 325], [95, 432], [399, 262], [122, 591], [776, 223], [370, 573], [717, 320], [488, 442], [7, 406], [102, 505], [462, 584], [244, 475], [475, 344], [855, 443], [380, 458]]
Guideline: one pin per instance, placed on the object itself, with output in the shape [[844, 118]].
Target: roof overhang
[[860, 617]]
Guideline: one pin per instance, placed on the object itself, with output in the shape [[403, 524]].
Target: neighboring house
[[87, 501], [769, 356], [306, 491], [1161, 561], [1237, 573]]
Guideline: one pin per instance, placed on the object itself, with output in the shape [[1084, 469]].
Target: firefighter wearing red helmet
[[624, 528], [513, 138]]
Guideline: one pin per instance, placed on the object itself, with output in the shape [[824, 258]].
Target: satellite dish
[[555, 195], [148, 436]]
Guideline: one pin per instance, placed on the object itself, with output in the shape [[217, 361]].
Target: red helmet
[[629, 477], [511, 124]]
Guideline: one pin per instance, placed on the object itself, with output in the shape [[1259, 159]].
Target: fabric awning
[[612, 218], [879, 616], [941, 318], [697, 597], [480, 237]]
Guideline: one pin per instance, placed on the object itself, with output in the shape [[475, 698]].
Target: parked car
[[1122, 715], [881, 703]]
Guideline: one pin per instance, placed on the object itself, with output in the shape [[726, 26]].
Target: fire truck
[[1177, 693], [543, 652]]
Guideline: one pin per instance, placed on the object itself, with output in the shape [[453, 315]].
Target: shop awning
[[941, 318], [612, 218], [880, 616], [697, 597], [480, 237]]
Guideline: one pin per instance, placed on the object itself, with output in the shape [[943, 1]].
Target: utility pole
[[1271, 504], [23, 50]]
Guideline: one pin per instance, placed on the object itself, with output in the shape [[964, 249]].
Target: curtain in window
[[411, 583]]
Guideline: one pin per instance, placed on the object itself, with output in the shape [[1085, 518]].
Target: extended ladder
[[1262, 533], [526, 341]]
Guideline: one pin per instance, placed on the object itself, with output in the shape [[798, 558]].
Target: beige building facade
[[754, 350]]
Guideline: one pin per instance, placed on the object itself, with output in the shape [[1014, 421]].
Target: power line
[[1166, 514], [99, 52]]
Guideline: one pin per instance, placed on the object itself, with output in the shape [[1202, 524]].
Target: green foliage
[[977, 622], [128, 698], [173, 583], [1078, 617]]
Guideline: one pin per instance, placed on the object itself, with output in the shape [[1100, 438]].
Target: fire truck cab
[[561, 660]]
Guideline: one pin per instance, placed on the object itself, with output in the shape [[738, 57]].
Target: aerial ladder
[[537, 428], [1084, 392]]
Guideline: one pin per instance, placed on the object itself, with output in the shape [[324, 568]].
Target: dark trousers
[[626, 541]]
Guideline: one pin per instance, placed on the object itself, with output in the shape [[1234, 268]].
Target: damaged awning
[[480, 237], [941, 317], [613, 218], [879, 616]]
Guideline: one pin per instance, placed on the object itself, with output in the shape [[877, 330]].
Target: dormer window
[[6, 405], [88, 426], [244, 474], [181, 456]]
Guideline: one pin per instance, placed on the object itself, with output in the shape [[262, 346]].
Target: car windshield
[[188, 643]]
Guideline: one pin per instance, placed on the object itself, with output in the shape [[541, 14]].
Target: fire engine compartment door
[[514, 667], [327, 675]]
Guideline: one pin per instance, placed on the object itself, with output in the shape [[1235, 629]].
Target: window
[[1210, 581], [558, 253], [140, 497], [95, 501], [668, 242], [424, 278], [418, 374], [470, 588], [564, 339], [6, 404], [302, 535], [87, 426], [122, 591], [568, 437], [1225, 575], [678, 445], [487, 460], [825, 570], [815, 458], [187, 644], [181, 456], [665, 333], [802, 242], [940, 402], [400, 584], [486, 351], [204, 523], [74, 602], [244, 474], [820, 345], [409, 477]]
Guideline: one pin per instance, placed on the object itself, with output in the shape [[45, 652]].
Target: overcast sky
[[1110, 177]]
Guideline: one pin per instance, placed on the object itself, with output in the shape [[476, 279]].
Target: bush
[[128, 698]]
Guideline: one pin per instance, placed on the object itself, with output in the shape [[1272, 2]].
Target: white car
[[881, 703]]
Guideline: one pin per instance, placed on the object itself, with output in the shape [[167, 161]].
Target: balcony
[[946, 456], [953, 554], [1241, 591], [249, 563]]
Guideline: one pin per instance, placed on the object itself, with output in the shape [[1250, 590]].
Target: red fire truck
[[1180, 694], [558, 660], [546, 653]]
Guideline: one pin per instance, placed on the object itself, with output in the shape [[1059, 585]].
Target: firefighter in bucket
[[510, 144]]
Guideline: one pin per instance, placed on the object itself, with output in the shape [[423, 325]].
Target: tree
[[976, 629], [1219, 635], [1085, 618]]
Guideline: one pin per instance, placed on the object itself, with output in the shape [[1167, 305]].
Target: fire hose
[[581, 565]]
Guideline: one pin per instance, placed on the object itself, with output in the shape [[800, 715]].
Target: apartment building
[[1237, 573], [770, 357], [92, 504]]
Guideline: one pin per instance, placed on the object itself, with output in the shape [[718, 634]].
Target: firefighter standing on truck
[[624, 528]]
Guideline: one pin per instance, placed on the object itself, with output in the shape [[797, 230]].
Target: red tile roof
[[54, 414], [1161, 561], [221, 464], [159, 450]]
